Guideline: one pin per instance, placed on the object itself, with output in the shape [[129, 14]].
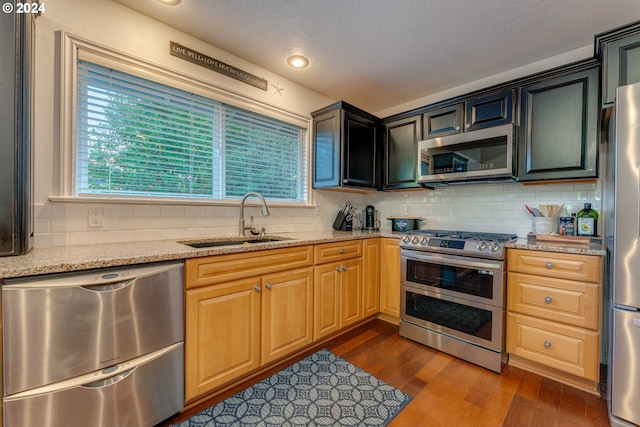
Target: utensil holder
[[544, 225]]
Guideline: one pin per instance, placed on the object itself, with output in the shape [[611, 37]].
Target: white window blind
[[136, 137]]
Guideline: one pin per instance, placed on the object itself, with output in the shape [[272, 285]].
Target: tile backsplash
[[485, 207], [478, 207]]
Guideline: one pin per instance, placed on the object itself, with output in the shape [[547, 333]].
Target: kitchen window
[[142, 138]]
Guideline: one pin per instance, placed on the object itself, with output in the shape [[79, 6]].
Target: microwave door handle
[[456, 263]]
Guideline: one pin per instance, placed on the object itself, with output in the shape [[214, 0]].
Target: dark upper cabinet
[[559, 126], [619, 52], [443, 121], [478, 112], [346, 148], [490, 110], [400, 150]]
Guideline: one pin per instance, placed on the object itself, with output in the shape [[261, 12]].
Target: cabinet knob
[[457, 127], [341, 251], [549, 265], [338, 269], [548, 300], [267, 285], [547, 344], [344, 268], [257, 288]]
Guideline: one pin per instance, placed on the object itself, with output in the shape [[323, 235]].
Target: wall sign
[[213, 64]]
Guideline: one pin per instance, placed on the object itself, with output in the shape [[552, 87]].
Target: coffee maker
[[371, 220]]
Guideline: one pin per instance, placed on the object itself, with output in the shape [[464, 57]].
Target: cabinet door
[[351, 291], [442, 121], [562, 347], [326, 299], [491, 110], [360, 151], [326, 149], [622, 65], [222, 334], [287, 308], [400, 150], [371, 277], [390, 277], [559, 129]]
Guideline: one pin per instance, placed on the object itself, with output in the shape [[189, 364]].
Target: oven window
[[462, 318], [469, 281]]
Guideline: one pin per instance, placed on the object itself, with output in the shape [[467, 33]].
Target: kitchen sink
[[226, 241]]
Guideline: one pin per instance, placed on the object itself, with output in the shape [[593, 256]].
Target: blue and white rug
[[320, 390]]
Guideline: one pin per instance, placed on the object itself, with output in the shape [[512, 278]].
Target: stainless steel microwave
[[480, 155]]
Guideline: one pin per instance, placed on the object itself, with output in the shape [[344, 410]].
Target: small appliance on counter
[[404, 223], [371, 218]]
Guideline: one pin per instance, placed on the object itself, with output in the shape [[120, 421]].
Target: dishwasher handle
[[107, 287], [110, 380]]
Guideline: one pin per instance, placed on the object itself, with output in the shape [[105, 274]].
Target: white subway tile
[[86, 238]]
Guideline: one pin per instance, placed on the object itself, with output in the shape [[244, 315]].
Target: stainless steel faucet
[[265, 210]]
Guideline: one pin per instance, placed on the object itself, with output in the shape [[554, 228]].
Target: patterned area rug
[[321, 390]]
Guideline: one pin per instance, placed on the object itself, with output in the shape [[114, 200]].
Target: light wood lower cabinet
[[248, 309], [287, 313], [222, 334], [390, 277], [337, 300], [553, 322], [370, 277], [337, 296], [235, 326]]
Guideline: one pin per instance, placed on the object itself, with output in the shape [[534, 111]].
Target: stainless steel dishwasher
[[100, 348]]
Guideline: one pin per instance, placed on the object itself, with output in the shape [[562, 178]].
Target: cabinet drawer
[[330, 252], [559, 265], [565, 348], [223, 268], [572, 302]]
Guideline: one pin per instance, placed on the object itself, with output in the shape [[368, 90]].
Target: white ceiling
[[377, 54]]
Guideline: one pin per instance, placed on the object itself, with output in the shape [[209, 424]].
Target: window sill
[[180, 202]]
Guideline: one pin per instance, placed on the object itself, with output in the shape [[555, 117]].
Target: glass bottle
[[587, 221]]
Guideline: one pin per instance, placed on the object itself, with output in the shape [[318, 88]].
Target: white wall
[[495, 207], [110, 24]]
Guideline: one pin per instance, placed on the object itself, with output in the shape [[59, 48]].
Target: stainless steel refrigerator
[[16, 106], [622, 215]]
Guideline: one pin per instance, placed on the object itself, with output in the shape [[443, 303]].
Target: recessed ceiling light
[[298, 61], [170, 2]]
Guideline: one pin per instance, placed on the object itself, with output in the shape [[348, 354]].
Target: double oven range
[[453, 293]]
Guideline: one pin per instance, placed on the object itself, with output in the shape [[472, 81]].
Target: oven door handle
[[456, 263]]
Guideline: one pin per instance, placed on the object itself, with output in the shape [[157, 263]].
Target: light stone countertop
[[62, 259], [568, 248]]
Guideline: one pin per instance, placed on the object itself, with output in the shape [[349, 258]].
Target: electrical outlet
[[96, 217]]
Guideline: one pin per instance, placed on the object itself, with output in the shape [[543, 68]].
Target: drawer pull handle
[[549, 265], [547, 344], [548, 300], [341, 251]]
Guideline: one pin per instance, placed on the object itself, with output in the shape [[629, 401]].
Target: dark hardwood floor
[[448, 392]]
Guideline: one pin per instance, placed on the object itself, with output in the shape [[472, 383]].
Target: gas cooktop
[[472, 243]]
